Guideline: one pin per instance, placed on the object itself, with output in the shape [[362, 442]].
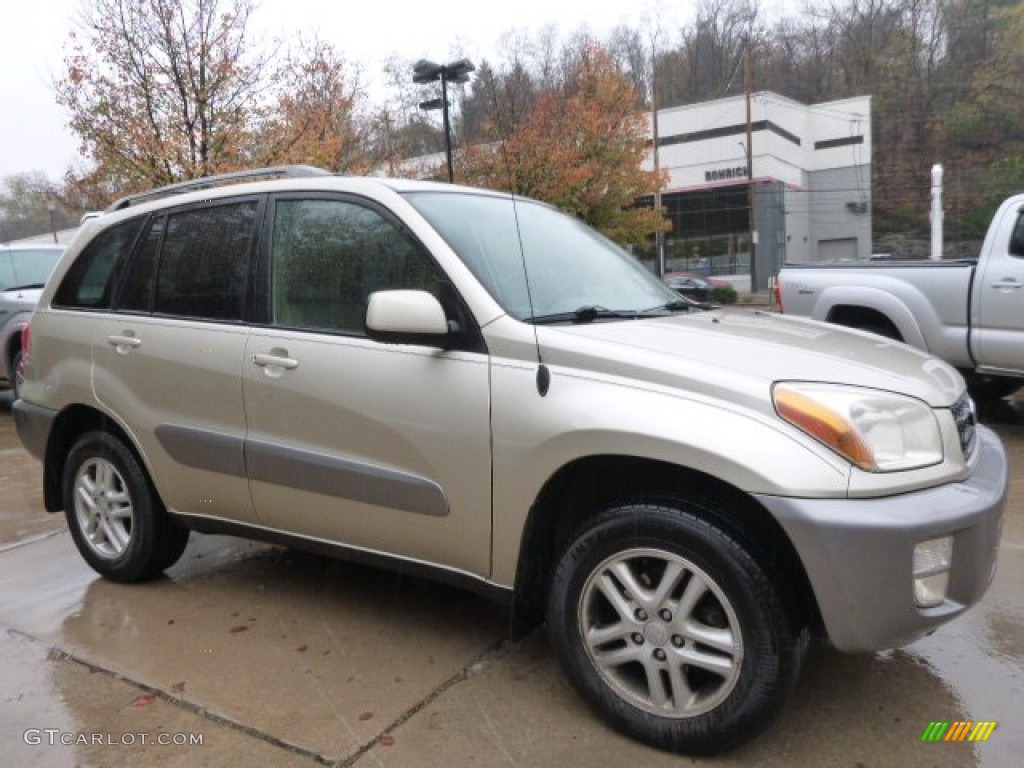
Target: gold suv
[[479, 388]]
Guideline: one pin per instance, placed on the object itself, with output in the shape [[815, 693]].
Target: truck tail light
[[777, 290]]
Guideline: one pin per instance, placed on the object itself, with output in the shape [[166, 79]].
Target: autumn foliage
[[580, 148], [160, 91]]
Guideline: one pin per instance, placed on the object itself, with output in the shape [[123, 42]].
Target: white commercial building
[[811, 183]]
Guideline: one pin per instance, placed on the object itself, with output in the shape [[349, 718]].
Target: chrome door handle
[[264, 360]]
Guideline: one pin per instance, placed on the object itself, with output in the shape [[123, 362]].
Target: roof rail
[[206, 182]]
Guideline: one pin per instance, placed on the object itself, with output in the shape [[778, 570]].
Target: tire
[[706, 676], [984, 388], [15, 376], [116, 519]]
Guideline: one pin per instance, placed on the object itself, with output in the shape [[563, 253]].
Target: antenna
[[543, 374]]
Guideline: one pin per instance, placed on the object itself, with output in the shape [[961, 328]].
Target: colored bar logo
[[959, 730]]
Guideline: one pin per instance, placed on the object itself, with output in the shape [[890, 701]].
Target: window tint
[[204, 262], [328, 256], [137, 288], [1017, 238], [90, 281]]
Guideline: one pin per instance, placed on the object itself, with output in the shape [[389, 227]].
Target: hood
[[23, 298], [737, 356]]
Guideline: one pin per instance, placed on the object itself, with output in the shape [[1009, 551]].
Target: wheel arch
[[583, 488], [69, 425]]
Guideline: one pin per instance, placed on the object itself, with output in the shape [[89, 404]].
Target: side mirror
[[406, 317]]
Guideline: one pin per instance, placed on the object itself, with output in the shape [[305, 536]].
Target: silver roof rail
[[206, 182]]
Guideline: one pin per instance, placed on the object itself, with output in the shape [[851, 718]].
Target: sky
[[34, 35]]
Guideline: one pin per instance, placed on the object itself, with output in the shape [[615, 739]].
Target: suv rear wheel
[[117, 521], [671, 630]]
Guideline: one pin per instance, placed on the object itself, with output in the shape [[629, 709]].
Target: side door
[[168, 364], [379, 447], [999, 329]]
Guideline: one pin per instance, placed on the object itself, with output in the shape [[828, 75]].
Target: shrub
[[723, 294]]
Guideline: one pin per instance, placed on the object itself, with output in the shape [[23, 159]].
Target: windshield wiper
[[679, 305], [26, 287], [585, 315]]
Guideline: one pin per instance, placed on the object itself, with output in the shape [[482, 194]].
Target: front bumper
[[858, 552]]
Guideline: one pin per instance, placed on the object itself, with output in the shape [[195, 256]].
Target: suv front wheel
[[671, 630], [117, 521]]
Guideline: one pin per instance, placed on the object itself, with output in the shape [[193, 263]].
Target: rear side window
[[204, 262], [90, 281]]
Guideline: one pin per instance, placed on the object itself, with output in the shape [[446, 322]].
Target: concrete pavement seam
[[491, 655], [59, 654], [31, 540]]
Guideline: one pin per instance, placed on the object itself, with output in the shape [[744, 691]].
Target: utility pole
[[748, 79], [659, 236]]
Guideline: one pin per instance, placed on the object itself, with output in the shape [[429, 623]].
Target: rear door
[[998, 334], [168, 363], [380, 447]]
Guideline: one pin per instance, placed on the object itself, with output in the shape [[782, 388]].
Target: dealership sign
[[724, 174]]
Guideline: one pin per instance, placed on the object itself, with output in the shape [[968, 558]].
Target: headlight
[[878, 431]]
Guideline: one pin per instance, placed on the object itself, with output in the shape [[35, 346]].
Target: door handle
[[123, 344], [1007, 283], [265, 360]]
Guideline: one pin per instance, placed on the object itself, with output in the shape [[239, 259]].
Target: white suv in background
[[479, 388]]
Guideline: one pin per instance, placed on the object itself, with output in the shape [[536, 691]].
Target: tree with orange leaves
[[160, 91], [315, 120], [582, 150]]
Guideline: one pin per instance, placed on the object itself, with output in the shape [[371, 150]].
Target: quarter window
[[90, 281], [204, 262], [328, 256]]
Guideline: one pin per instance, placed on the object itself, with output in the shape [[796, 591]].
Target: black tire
[[983, 388], [13, 376], [117, 520], [757, 658]]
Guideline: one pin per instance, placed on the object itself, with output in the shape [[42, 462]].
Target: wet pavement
[[276, 658]]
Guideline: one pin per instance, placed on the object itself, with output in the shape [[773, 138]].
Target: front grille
[[966, 421]]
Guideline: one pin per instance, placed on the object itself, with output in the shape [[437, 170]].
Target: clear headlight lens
[[878, 431]]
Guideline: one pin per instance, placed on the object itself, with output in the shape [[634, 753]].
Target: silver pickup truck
[[969, 312]]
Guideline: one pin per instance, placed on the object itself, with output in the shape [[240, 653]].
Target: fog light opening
[[932, 561]]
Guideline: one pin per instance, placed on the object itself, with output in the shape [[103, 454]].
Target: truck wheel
[[15, 376], [116, 519], [671, 631], [984, 388]]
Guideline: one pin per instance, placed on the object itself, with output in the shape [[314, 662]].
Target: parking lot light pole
[[425, 71]]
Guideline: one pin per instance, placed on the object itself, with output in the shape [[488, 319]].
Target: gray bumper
[[34, 424], [858, 552]]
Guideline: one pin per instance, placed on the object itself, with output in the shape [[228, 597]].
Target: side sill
[[461, 579]]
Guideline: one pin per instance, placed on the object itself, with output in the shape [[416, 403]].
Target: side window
[[6, 271], [204, 262], [90, 281], [137, 287], [1017, 238], [328, 256]]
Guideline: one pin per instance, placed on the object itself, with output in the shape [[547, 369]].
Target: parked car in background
[[23, 273], [690, 286], [475, 386], [969, 312]]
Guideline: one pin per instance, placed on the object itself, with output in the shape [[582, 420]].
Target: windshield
[[24, 267], [571, 267]]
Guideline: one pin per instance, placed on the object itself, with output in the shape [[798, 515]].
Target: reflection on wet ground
[[281, 658]]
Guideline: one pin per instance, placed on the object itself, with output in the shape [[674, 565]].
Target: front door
[[999, 322], [379, 447]]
